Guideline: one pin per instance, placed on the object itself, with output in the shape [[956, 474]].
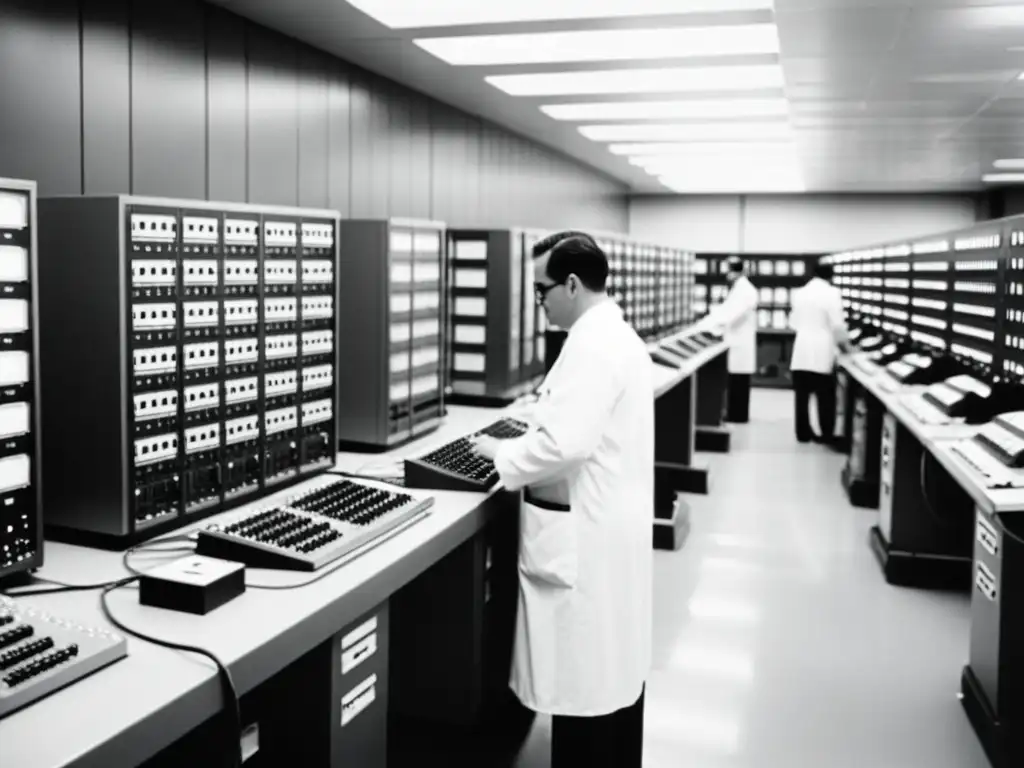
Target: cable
[[1007, 531], [62, 587], [232, 705]]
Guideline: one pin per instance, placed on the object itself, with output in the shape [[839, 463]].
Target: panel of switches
[[456, 466], [327, 518], [231, 327], [40, 653], [20, 505]]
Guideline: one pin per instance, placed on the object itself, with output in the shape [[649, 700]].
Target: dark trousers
[[823, 387], [615, 740], [737, 408]]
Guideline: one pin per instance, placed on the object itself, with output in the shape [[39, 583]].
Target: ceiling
[[882, 95]]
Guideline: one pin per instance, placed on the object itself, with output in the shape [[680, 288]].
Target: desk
[[992, 682], [919, 540], [128, 712], [677, 394]]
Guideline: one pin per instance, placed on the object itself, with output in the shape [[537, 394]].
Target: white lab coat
[[583, 628], [736, 316], [816, 314]]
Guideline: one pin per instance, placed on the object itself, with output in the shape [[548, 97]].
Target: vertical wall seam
[[81, 94]]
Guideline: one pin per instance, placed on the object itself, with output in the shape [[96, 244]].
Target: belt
[[553, 506]]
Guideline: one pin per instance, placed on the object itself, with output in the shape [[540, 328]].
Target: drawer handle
[[358, 653]]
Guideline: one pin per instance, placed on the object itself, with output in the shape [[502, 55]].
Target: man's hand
[[486, 446]]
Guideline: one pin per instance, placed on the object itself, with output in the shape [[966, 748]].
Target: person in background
[[736, 319], [584, 622], [816, 314]]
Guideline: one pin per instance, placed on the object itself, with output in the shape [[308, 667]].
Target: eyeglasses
[[542, 291]]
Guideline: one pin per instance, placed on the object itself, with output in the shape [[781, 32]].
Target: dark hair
[[574, 253], [735, 263], [824, 271]]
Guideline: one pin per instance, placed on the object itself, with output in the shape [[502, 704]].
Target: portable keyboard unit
[[40, 653], [455, 466], [329, 518]]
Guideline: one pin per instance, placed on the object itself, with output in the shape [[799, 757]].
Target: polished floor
[[777, 642]]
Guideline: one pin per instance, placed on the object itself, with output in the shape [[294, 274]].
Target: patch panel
[[202, 396], [317, 412], [241, 276], [199, 314], [317, 377], [319, 307], [199, 272], [317, 342], [241, 236], [241, 390], [281, 346], [149, 450], [280, 234], [280, 272], [242, 429], [202, 438], [241, 312], [281, 420], [196, 230], [213, 313], [241, 351], [281, 310], [279, 384], [201, 355], [317, 271], [153, 273], [154, 361], [156, 405]]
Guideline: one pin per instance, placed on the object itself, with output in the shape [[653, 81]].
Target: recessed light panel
[[662, 110], [686, 131], [664, 80], [1003, 178], [403, 14], [1009, 164], [604, 45], [701, 148]]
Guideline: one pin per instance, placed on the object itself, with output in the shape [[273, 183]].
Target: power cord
[[232, 706]]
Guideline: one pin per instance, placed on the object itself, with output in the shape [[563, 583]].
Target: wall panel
[[179, 98], [106, 97], [168, 99]]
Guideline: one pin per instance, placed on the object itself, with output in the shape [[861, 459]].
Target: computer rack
[[390, 304], [492, 317], [190, 358], [21, 509], [974, 299]]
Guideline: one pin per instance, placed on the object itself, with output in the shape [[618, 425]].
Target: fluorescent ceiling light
[[1020, 76], [666, 80], [402, 14], [657, 110], [1003, 178], [685, 131], [603, 45], [701, 149], [1012, 164], [733, 187]]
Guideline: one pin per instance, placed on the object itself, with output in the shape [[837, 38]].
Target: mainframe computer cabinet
[[188, 351], [390, 307]]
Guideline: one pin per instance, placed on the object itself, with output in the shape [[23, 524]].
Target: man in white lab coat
[[816, 314], [583, 629], [736, 318]]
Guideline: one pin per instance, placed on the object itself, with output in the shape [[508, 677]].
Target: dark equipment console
[[455, 466]]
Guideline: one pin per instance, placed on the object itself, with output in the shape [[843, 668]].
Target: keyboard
[[900, 370], [329, 517], [924, 411], [41, 653], [993, 472], [456, 466]]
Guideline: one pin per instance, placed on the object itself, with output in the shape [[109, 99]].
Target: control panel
[[996, 451], [21, 535], [456, 466], [41, 653], [327, 518]]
